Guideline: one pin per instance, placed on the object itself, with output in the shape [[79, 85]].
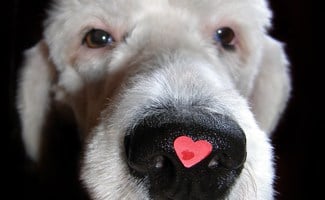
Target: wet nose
[[188, 157]]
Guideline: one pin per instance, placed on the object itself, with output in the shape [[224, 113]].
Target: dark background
[[296, 140]]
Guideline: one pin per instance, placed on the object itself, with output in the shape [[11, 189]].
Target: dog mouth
[[189, 157]]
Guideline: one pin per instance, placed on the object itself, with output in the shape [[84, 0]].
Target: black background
[[296, 140]]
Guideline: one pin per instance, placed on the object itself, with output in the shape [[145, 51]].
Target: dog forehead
[[125, 11], [148, 2], [129, 5]]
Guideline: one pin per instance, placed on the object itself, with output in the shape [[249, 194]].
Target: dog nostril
[[227, 161], [159, 162], [232, 163], [152, 165], [214, 163]]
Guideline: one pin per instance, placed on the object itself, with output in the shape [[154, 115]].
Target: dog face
[[173, 99]]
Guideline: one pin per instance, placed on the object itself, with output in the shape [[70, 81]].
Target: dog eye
[[97, 38], [225, 36]]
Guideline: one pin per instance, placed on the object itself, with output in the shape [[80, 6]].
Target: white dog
[[174, 99]]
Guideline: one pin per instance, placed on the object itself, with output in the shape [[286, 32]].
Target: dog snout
[[186, 157]]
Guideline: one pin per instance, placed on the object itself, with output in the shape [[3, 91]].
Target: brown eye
[[225, 36], [97, 38]]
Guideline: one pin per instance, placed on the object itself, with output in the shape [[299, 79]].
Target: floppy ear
[[272, 86], [33, 96]]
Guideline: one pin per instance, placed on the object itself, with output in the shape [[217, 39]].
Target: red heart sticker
[[190, 152]]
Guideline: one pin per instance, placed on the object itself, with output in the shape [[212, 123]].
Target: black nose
[[186, 157]]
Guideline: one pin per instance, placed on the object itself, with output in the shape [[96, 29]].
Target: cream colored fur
[[164, 52]]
